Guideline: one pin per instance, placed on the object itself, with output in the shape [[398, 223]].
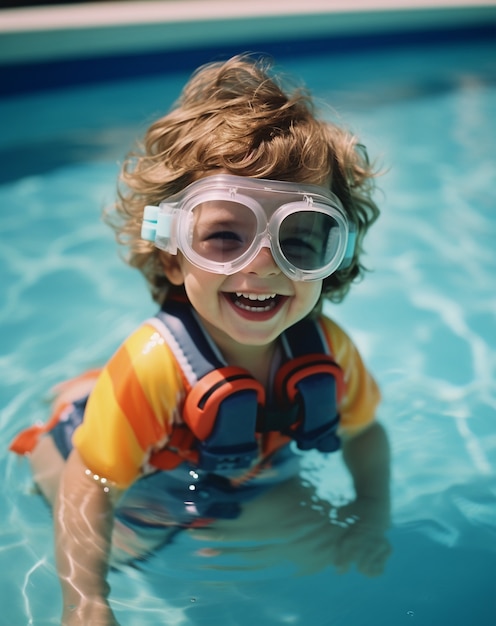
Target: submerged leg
[[46, 465]]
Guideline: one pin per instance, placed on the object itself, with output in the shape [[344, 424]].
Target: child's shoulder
[[337, 338], [362, 394], [146, 352]]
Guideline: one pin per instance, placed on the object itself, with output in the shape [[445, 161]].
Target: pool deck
[[151, 11], [45, 33]]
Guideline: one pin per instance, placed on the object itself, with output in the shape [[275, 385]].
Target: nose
[[263, 264]]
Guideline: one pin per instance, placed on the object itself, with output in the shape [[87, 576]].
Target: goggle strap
[[149, 224], [157, 226], [165, 236]]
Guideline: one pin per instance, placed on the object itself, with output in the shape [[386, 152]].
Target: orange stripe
[[27, 440], [132, 400]]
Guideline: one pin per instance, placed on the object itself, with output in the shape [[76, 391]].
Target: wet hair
[[238, 117]]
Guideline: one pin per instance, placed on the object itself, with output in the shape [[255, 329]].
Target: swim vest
[[226, 406]]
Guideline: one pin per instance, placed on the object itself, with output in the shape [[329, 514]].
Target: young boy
[[255, 212]]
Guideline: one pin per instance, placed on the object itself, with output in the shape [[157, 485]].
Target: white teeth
[[268, 298], [256, 296]]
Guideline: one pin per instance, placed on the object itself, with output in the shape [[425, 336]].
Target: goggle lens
[[306, 239], [222, 231]]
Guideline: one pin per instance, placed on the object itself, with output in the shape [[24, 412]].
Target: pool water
[[424, 319]]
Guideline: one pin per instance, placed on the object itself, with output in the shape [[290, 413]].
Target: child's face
[[249, 308]]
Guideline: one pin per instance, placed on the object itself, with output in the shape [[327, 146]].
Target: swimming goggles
[[221, 222]]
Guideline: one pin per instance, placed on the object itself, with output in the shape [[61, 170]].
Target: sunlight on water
[[424, 319]]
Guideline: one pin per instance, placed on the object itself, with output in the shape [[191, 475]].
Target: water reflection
[[287, 526]]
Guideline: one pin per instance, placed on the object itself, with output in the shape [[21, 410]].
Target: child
[[255, 212]]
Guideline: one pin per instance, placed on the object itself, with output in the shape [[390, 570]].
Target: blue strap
[[304, 338], [183, 325], [319, 397], [318, 393]]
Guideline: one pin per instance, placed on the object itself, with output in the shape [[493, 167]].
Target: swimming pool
[[424, 318]]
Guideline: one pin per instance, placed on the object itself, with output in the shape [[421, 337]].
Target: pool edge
[[50, 58], [93, 30]]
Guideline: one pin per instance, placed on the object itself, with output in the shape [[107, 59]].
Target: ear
[[173, 271]]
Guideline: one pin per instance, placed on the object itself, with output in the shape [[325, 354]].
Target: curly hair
[[237, 117]]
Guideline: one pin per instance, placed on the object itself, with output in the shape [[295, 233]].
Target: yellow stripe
[[106, 440], [157, 372]]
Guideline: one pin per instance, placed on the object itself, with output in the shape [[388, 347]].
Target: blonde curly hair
[[237, 117]]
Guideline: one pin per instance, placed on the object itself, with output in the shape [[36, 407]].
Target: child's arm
[[367, 457], [291, 522], [83, 525], [364, 542]]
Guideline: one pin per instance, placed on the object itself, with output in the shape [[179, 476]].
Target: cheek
[[310, 294], [201, 287]]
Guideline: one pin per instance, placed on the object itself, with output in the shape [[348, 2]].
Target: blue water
[[424, 319]]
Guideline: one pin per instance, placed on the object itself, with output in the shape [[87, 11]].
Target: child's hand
[[299, 538], [363, 542], [291, 524], [359, 537]]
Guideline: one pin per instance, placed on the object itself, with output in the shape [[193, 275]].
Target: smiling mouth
[[255, 303]]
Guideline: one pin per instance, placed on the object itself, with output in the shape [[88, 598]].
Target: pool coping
[[37, 34], [49, 47]]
